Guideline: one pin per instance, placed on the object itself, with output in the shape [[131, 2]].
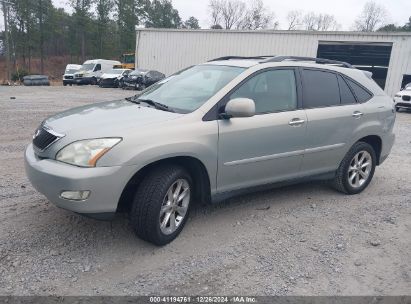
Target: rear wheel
[[161, 205], [93, 81], [356, 170]]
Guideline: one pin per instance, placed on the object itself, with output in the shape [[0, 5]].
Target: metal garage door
[[372, 56]]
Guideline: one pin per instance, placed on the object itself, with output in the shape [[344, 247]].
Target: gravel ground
[[299, 240]]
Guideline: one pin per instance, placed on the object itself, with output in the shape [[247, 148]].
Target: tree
[[103, 10], [82, 16], [227, 13], [371, 17], [319, 22], [215, 12], [294, 19], [257, 17], [191, 23], [162, 14], [216, 27], [390, 28]]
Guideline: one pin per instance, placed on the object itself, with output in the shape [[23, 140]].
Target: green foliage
[[393, 28], [191, 23], [161, 14], [93, 29], [18, 75]]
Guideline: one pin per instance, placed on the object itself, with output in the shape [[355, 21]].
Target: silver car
[[212, 131]]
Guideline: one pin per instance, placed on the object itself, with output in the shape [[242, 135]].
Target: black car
[[141, 79]]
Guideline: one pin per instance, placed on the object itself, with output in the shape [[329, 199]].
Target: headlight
[[397, 95], [86, 153]]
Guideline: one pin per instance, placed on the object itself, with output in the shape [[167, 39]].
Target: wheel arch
[[195, 168], [375, 142]]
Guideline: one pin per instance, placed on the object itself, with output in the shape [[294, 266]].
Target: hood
[[107, 76], [404, 92], [106, 119]]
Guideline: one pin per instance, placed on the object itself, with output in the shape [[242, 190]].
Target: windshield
[[191, 88], [116, 72], [128, 58], [88, 67]]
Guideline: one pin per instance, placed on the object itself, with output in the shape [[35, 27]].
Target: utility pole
[[6, 36]]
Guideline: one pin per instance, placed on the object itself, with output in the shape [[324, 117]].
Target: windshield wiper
[[157, 105]]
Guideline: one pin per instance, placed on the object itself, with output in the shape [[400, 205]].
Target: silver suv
[[210, 132]]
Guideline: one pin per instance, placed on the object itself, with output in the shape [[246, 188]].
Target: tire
[[93, 81], [64, 84], [350, 168], [152, 196], [397, 109]]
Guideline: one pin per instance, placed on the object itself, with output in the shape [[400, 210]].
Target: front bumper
[[108, 82], [69, 81], [83, 80], [51, 177], [403, 105]]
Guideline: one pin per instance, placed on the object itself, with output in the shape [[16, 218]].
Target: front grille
[[68, 77], [406, 98], [42, 139]]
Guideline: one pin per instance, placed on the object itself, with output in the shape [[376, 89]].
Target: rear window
[[347, 96], [320, 89], [361, 94]]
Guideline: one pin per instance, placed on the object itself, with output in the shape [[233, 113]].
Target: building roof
[[312, 33]]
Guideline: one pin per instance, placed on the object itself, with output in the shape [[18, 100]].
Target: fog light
[[75, 195]]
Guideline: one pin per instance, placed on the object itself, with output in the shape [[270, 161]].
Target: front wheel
[[161, 204], [397, 109], [356, 170]]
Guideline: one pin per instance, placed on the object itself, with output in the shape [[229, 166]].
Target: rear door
[[333, 116], [269, 146]]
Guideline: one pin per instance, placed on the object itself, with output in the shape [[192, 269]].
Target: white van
[[68, 77], [91, 70]]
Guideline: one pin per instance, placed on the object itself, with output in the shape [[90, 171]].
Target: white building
[[386, 55]]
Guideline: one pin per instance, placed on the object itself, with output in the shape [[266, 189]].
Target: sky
[[344, 11]]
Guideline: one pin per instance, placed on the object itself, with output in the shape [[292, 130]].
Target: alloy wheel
[[359, 169], [175, 206]]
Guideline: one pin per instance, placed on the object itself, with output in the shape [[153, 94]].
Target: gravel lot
[[299, 240]]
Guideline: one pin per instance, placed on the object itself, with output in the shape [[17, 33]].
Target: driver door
[[269, 146]]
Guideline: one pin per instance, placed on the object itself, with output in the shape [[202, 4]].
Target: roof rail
[[241, 57], [316, 60]]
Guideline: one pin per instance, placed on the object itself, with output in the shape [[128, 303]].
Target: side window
[[361, 94], [320, 89], [272, 91], [347, 96], [97, 67]]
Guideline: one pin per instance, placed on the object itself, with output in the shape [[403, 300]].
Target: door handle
[[296, 122], [357, 114]]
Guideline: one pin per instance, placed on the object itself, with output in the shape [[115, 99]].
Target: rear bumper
[[387, 144], [105, 184]]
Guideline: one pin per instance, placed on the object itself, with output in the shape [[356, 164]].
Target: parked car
[[141, 79], [68, 77], [91, 71], [402, 99], [113, 77], [210, 132]]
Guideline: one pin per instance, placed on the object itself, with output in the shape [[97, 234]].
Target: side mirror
[[239, 107]]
